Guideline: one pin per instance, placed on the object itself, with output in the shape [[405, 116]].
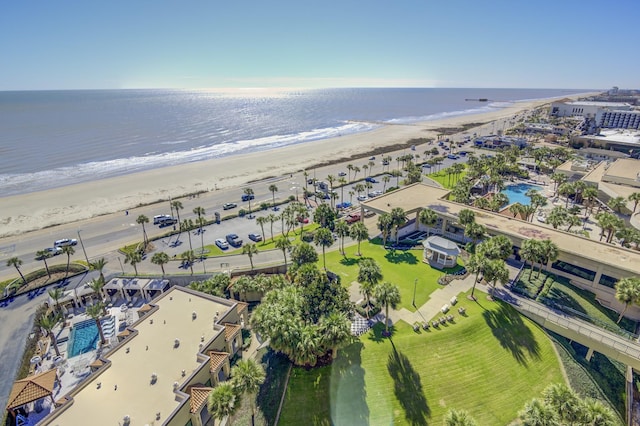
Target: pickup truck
[[234, 240], [353, 218]]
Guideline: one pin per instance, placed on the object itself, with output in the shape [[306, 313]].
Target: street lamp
[[121, 267], [82, 245], [415, 282]]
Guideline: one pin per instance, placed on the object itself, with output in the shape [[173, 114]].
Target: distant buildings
[[587, 109]]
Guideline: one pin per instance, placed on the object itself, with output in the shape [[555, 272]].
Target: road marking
[[7, 250]]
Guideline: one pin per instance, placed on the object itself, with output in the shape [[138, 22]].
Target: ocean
[[56, 138]]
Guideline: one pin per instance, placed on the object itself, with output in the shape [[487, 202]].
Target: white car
[[221, 243], [65, 242], [362, 198]]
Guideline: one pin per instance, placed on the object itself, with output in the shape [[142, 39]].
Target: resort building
[[618, 179], [588, 264], [164, 366], [615, 119], [588, 109]]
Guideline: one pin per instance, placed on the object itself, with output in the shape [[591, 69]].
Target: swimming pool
[[516, 193], [83, 338]]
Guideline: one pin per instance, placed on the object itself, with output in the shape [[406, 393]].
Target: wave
[[19, 183]]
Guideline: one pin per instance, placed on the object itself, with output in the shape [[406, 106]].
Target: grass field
[[488, 363], [399, 267], [447, 181]]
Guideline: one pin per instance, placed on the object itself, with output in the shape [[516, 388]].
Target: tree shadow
[[349, 261], [513, 334], [348, 391], [408, 388], [401, 257], [560, 297], [377, 333]]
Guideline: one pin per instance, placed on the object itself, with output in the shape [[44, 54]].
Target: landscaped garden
[[489, 363], [557, 291]]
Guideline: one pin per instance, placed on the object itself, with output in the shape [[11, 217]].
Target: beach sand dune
[[21, 213]]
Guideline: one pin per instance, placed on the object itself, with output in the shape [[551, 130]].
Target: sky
[[114, 44]]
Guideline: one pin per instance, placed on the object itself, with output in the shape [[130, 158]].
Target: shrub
[[242, 212], [307, 237], [264, 206], [374, 309]]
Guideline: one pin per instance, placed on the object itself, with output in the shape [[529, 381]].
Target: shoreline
[[36, 210]]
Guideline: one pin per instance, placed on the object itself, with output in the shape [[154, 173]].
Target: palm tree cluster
[[613, 226], [560, 405], [538, 251], [386, 293], [217, 285], [627, 292], [488, 260], [307, 318], [246, 378]]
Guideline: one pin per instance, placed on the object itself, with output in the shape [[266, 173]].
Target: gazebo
[[440, 252], [28, 394], [154, 288]]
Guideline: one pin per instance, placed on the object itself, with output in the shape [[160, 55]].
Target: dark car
[[247, 197], [228, 206], [234, 240], [370, 179], [255, 237]]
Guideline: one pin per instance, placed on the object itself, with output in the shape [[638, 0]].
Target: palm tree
[[590, 193], [564, 401], [48, 323], [458, 418], [349, 168], [69, 251], [595, 413], [178, 206], [627, 292], [160, 258], [249, 193], [273, 188], [56, 294], [99, 265], [608, 222], [336, 331], [388, 295], [428, 218], [515, 209], [356, 170], [385, 179], [187, 226], [496, 271], [385, 225], [475, 264], [261, 221], [16, 263], [531, 251], [323, 238], [141, 220], [95, 312], [566, 189], [359, 232], [223, 401], [201, 222], [617, 204], [558, 179], [572, 220], [466, 216], [536, 413], [398, 218], [96, 285], [342, 230], [272, 218], [248, 375], [557, 217], [475, 231], [283, 243], [188, 257], [44, 255], [250, 250], [369, 275], [133, 258], [635, 197]]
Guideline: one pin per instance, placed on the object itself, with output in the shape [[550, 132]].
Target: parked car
[[247, 197], [369, 213], [343, 205], [65, 242], [303, 219], [463, 153], [342, 174], [234, 240], [229, 206], [353, 218], [370, 179], [255, 237], [222, 244], [426, 165], [362, 197], [159, 218]]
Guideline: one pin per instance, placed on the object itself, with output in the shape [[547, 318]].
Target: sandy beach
[[22, 213]]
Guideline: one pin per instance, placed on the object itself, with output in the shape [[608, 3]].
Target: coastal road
[[103, 235]]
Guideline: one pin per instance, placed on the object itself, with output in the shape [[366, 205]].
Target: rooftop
[[418, 196], [598, 103], [124, 387], [627, 168]]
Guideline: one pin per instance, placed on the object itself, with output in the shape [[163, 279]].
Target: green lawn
[[489, 363], [399, 267], [445, 180]]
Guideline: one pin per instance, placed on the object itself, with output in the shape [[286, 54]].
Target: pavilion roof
[[32, 388], [217, 359], [230, 330], [199, 395]]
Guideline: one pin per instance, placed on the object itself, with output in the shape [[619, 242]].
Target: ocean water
[[56, 138]]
